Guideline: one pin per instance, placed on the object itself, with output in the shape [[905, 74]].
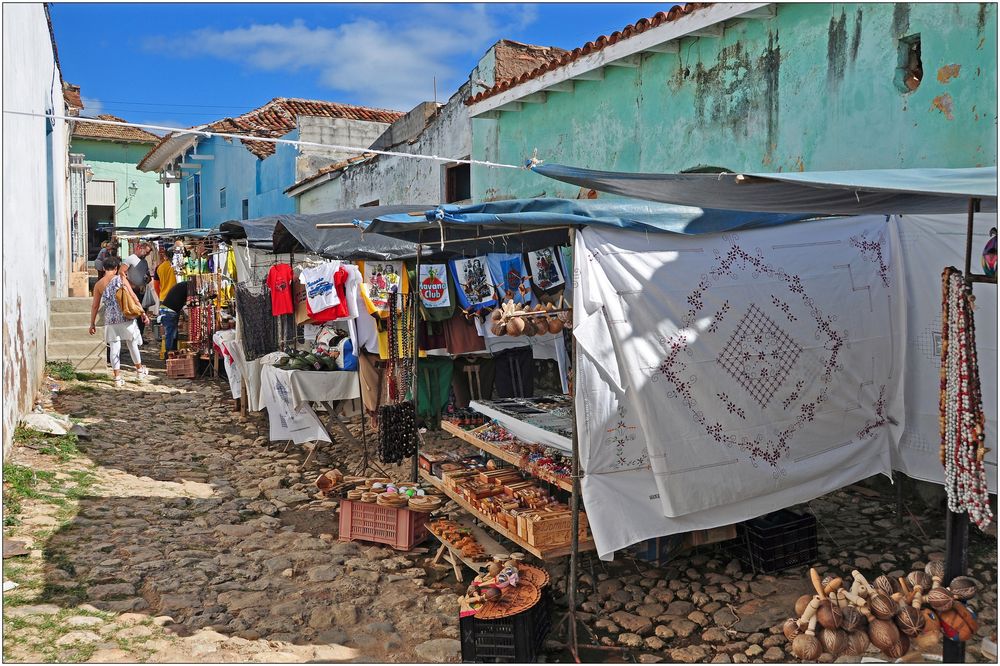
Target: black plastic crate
[[516, 639], [777, 541]]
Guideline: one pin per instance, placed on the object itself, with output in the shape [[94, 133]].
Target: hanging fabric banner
[[382, 280], [771, 358], [434, 286], [473, 283], [546, 273], [509, 277]]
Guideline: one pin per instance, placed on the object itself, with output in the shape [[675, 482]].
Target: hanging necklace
[[962, 422]]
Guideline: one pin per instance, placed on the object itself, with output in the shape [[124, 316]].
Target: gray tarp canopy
[[298, 233], [257, 232], [878, 191]]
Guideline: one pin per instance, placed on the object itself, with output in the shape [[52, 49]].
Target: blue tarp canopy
[[520, 225], [878, 191]]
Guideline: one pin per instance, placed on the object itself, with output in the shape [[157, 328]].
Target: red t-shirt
[[339, 311], [279, 279]]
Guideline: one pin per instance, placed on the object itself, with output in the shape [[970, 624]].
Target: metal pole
[[415, 290], [574, 554], [957, 524]]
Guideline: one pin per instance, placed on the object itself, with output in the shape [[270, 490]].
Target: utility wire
[[250, 137]]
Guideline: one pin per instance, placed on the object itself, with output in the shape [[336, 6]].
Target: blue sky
[[185, 64]]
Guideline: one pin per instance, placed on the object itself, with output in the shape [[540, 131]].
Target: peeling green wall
[[817, 87]]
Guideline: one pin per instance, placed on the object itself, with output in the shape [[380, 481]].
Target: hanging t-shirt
[[341, 309], [279, 280], [320, 291], [508, 275], [382, 279], [473, 285]]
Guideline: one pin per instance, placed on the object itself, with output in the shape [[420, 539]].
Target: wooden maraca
[[828, 614], [806, 646], [802, 602], [899, 647], [935, 569], [962, 588], [909, 618], [883, 634], [886, 585], [939, 598], [834, 641], [852, 619], [857, 643], [791, 629], [919, 578], [882, 607]]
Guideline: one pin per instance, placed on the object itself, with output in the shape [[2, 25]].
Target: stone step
[[59, 351], [61, 319], [69, 305], [79, 333]]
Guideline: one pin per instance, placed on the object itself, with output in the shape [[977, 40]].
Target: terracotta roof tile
[[71, 94], [278, 117], [600, 43], [84, 130]]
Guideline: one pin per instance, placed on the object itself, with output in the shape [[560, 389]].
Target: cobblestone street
[[177, 533]]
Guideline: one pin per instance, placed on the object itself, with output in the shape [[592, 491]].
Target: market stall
[[633, 485]]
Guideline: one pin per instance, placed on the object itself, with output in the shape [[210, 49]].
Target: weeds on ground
[[19, 484], [62, 446], [60, 370]]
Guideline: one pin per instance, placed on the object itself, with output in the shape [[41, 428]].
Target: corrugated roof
[[599, 44], [84, 130], [278, 117]]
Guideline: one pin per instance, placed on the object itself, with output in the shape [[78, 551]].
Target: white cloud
[[387, 62], [92, 107]]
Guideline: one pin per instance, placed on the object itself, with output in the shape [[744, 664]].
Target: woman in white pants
[[117, 328]]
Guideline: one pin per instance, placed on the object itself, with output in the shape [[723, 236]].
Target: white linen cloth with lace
[[725, 376]]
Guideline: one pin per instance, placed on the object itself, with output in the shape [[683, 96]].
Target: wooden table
[[454, 555], [502, 530], [512, 458]]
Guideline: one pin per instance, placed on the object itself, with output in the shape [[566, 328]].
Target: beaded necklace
[[961, 404]]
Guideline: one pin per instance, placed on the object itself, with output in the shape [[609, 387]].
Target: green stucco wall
[[814, 88], [112, 160]]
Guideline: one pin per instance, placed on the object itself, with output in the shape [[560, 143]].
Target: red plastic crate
[[364, 521]]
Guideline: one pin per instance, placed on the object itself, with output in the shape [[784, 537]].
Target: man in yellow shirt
[[165, 276]]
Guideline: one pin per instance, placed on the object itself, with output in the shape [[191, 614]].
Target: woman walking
[[117, 327]]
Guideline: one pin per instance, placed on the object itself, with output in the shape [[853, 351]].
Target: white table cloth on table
[[224, 341], [298, 423], [725, 376], [306, 386]]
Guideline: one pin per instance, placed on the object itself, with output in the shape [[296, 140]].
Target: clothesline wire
[[244, 137]]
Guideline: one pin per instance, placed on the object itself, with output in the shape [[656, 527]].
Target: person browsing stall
[[139, 276], [171, 306], [117, 327]]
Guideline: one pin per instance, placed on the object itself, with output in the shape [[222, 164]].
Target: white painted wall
[[35, 207], [400, 180]]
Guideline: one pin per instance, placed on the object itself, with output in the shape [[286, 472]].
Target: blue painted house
[[224, 178]]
